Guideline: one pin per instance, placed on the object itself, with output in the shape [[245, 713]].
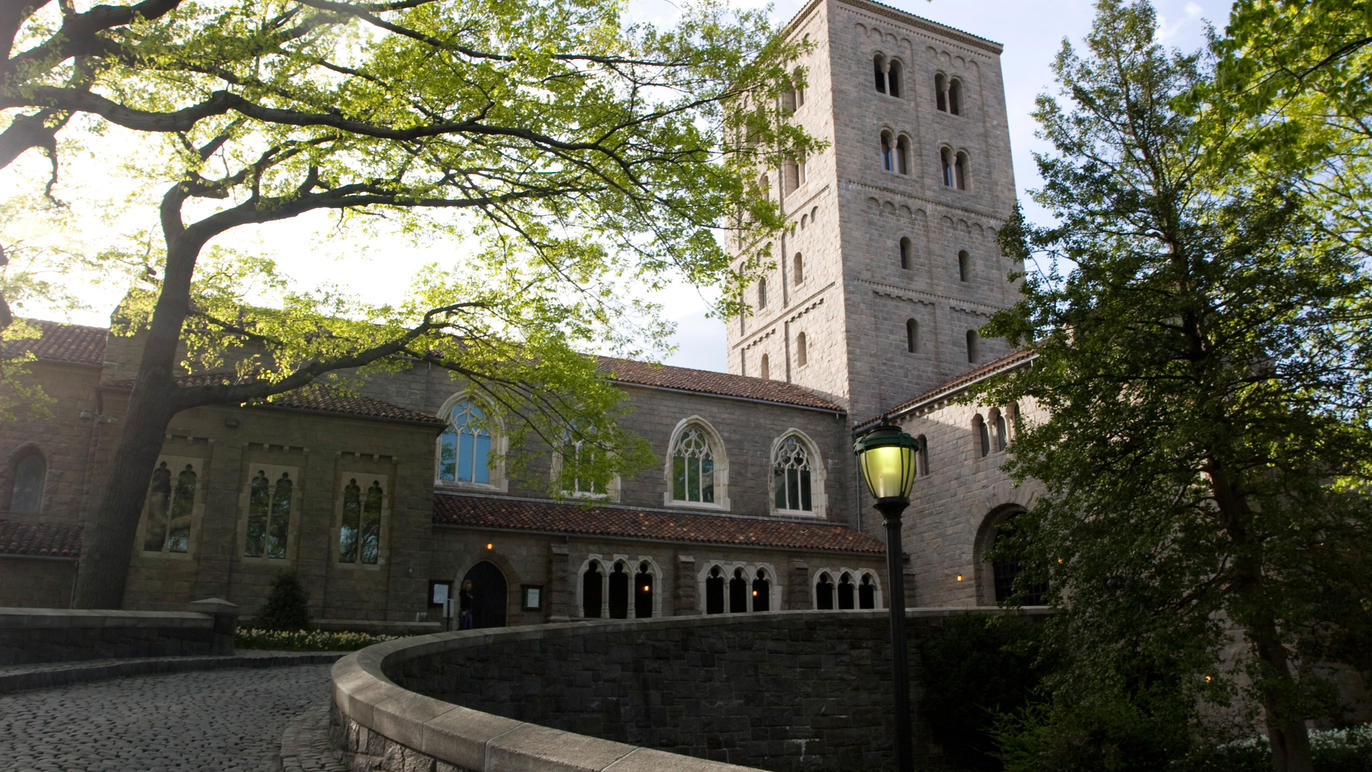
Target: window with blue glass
[[464, 448]]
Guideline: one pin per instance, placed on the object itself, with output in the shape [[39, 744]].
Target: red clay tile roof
[[626, 522], [321, 399], [69, 343], [708, 382], [48, 540], [1006, 362]]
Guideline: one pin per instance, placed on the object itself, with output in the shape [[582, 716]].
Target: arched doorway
[[488, 595]]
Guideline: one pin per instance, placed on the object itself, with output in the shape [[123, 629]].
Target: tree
[[578, 154], [1201, 360]]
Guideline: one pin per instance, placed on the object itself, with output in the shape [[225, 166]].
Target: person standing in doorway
[[464, 605]]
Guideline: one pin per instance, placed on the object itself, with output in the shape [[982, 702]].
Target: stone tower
[[889, 265]]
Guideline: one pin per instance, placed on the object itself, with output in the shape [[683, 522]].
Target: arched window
[[903, 154], [906, 253], [168, 509], [879, 73], [921, 455], [764, 369], [941, 92], [269, 515], [695, 475], [714, 591], [762, 592], [619, 591], [788, 101], [845, 592], [824, 592], [738, 593], [893, 78], [1011, 421], [798, 269], [592, 587], [1001, 431], [911, 336], [28, 472], [972, 346], [464, 447], [983, 435], [888, 160], [765, 185], [946, 160], [579, 461], [791, 476], [643, 591], [359, 532], [801, 353], [964, 265], [791, 175], [961, 170], [955, 96], [867, 592], [762, 293], [1006, 571]]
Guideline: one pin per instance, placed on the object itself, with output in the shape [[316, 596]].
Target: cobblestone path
[[212, 720]]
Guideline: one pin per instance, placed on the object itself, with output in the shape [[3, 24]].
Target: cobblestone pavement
[[235, 719]]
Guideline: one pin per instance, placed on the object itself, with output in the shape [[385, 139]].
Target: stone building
[[384, 502]]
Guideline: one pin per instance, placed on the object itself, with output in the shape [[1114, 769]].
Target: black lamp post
[[887, 457]]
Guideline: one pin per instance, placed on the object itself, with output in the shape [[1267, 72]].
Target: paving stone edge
[[62, 674]]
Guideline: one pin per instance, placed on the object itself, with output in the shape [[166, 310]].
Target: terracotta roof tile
[[708, 382], [325, 400], [1008, 361], [57, 342], [627, 522], [48, 540]]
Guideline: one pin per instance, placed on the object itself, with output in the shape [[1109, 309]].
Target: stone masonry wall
[[52, 635], [788, 691]]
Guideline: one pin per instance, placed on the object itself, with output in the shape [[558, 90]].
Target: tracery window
[[714, 591], [824, 592], [577, 462], [845, 591], [359, 531], [169, 508], [791, 476], [464, 447], [27, 474], [738, 593], [269, 515], [619, 592], [693, 466], [867, 592]]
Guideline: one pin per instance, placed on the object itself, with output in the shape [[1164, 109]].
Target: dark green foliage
[[977, 670], [1338, 750], [287, 607]]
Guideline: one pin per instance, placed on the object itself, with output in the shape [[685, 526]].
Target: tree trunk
[[1286, 730]]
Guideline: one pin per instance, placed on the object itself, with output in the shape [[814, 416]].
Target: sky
[[1031, 32]]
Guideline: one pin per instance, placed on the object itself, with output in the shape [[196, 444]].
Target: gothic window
[[903, 154], [911, 336], [579, 462], [964, 266], [983, 435], [269, 515], [972, 346], [762, 592], [791, 476], [941, 92], [801, 353], [27, 474], [867, 592], [738, 593], [619, 592], [359, 531], [592, 587], [168, 510], [714, 592], [643, 591], [824, 592], [761, 293], [464, 447], [888, 160], [845, 591], [906, 253], [693, 469], [961, 170], [764, 368], [798, 269]]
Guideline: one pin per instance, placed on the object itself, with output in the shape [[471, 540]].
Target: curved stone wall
[[782, 691]]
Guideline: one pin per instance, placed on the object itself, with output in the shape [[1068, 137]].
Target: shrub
[[287, 606], [1333, 750], [305, 640]]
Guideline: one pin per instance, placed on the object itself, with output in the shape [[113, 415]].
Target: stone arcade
[[384, 502]]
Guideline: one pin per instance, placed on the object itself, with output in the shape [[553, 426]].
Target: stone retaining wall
[[783, 691], [29, 635]]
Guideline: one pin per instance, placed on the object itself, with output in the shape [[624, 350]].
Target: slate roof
[[47, 540], [68, 343], [709, 382], [1011, 360], [627, 522]]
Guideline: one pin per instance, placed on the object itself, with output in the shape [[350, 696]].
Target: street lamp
[[887, 457]]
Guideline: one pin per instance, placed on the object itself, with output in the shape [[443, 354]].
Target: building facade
[[384, 502]]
